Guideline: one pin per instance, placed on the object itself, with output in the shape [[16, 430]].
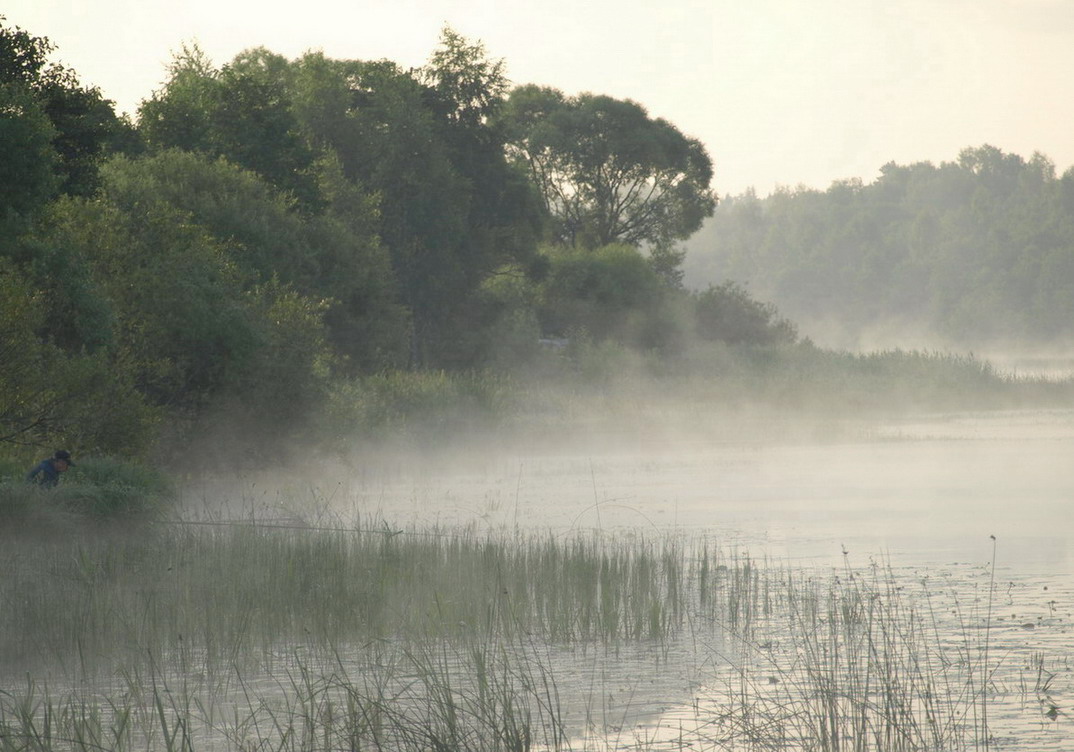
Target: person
[[47, 472]]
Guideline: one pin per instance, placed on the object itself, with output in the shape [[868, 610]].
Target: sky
[[783, 93]]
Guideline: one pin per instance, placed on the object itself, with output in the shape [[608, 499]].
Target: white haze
[[922, 490]]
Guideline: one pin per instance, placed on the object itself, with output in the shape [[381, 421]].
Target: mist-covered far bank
[[975, 254]]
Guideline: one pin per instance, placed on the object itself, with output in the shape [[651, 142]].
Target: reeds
[[853, 662], [388, 698], [218, 592], [255, 637]]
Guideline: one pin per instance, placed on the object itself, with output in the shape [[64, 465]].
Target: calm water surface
[[922, 491]]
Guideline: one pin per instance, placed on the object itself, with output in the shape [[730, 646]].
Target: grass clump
[[95, 489]]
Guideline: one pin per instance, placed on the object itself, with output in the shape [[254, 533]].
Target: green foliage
[[969, 252], [610, 292], [241, 112], [52, 397], [335, 257], [507, 331], [88, 130], [287, 377], [469, 84], [179, 303], [728, 314], [451, 210], [608, 172], [60, 254], [449, 207], [27, 159], [85, 125], [22, 55]]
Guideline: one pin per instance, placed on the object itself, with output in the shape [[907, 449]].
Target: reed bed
[[262, 637], [217, 593]]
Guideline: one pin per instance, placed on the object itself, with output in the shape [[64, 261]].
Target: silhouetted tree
[[608, 172]]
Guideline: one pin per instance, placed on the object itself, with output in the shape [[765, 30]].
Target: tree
[[242, 112], [969, 252], [608, 172], [27, 159], [335, 256], [85, 126], [452, 210], [606, 293], [51, 397]]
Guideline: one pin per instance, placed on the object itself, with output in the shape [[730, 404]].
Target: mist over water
[[918, 490]]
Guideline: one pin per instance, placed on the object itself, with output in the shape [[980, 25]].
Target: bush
[[612, 293], [728, 314]]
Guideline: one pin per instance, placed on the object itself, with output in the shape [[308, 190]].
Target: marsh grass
[[852, 662], [260, 637], [484, 699], [218, 592]]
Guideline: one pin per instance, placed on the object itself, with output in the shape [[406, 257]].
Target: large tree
[[608, 172], [452, 209]]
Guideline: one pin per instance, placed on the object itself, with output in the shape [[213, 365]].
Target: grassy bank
[[588, 387], [584, 387]]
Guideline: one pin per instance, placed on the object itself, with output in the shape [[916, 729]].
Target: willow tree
[[608, 172]]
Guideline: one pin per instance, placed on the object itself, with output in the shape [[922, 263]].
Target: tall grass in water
[[250, 637], [387, 639], [186, 593], [483, 700], [852, 662]]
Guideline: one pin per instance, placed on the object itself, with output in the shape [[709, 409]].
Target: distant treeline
[[973, 252], [266, 233]]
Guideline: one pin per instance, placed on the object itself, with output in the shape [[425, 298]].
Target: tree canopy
[[269, 229], [609, 173]]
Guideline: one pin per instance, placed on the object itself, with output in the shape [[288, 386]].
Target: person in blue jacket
[[47, 472]]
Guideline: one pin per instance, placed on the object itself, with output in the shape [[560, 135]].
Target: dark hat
[[63, 454]]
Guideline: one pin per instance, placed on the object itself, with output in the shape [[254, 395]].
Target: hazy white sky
[[782, 92]]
